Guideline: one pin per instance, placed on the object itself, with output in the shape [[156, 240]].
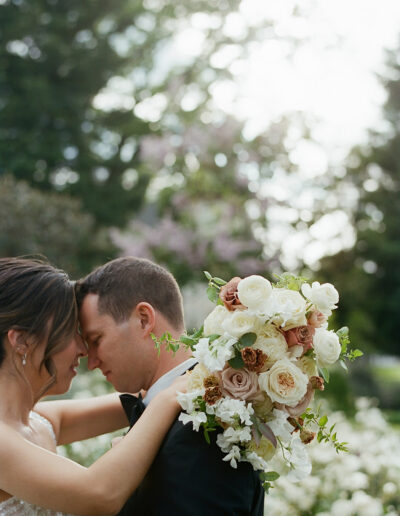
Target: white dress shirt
[[166, 380]]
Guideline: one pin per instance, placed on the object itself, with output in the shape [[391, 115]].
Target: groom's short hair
[[123, 283]]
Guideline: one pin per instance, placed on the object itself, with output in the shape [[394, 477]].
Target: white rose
[[284, 383], [326, 346], [239, 323], [253, 292], [324, 297], [214, 320], [289, 307], [271, 342]]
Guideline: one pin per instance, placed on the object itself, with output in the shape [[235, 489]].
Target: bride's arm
[[75, 420], [45, 479]]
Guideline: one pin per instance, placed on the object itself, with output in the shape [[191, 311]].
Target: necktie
[[133, 406]]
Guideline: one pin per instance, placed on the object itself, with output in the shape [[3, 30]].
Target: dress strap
[[45, 421]]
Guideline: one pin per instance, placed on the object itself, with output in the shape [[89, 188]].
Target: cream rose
[[213, 321], [290, 307], [326, 347], [254, 291], [265, 448], [307, 365], [272, 343], [240, 322], [324, 297], [196, 378], [284, 383]]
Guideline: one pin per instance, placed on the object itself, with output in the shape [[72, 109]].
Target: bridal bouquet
[[262, 353]]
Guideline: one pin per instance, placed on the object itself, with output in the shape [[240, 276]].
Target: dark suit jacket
[[189, 478]]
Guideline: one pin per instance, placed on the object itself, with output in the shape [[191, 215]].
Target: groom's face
[[117, 349]]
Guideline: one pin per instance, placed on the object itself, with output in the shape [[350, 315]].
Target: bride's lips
[[74, 368]]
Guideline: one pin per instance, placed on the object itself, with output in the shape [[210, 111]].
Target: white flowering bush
[[363, 482]]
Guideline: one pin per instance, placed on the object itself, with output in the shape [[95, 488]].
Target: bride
[[39, 352]]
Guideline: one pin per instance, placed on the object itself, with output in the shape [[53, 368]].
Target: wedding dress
[[15, 507]]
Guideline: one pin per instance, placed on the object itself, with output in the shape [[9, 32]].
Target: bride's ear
[[18, 341], [147, 317]]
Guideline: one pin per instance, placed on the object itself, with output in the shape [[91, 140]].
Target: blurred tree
[[38, 223], [81, 84], [368, 276]]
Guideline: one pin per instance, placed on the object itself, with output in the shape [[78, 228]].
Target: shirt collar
[[167, 379]]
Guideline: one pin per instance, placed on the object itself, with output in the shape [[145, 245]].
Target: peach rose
[[316, 319], [229, 295], [240, 383], [300, 336]]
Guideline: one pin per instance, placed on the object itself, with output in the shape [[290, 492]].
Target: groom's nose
[[93, 361]]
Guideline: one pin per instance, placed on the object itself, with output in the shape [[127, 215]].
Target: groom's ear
[[146, 316]]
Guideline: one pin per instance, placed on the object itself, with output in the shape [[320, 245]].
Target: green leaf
[[357, 353], [322, 422], [343, 364], [325, 374], [212, 294], [213, 337], [189, 341], [198, 333], [219, 281], [207, 275], [247, 340], [236, 362], [269, 476]]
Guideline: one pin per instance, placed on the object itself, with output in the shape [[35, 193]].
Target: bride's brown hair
[[38, 299]]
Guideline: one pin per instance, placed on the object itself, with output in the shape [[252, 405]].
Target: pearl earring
[[24, 360]]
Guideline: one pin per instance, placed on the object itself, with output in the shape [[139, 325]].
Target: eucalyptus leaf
[[236, 362], [247, 340]]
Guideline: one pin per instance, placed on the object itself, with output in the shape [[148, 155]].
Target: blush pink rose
[[240, 384]]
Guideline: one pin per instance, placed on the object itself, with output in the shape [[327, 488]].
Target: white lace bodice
[[15, 507]]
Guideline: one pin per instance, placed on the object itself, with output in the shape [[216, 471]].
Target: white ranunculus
[[213, 322], [326, 347], [324, 297], [284, 383], [214, 355], [254, 291], [289, 307], [271, 342], [239, 323]]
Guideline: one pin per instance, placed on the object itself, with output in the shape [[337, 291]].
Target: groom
[[121, 304]]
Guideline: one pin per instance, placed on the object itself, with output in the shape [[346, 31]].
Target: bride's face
[[66, 363]]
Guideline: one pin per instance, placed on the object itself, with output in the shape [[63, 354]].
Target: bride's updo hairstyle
[[38, 299]]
